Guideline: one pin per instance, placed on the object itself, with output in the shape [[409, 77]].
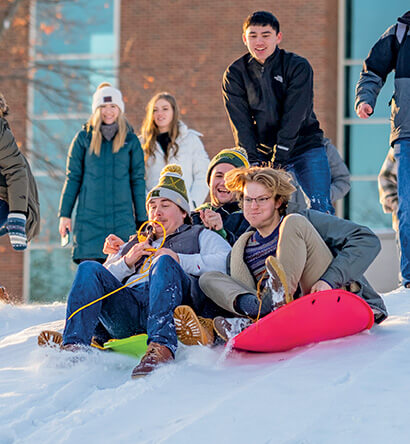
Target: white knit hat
[[106, 95]]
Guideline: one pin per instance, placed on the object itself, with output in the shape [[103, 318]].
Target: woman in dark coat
[[105, 173]]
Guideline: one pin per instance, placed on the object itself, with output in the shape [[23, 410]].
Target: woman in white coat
[[165, 139]]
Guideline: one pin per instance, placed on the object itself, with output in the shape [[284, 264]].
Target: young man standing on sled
[[287, 249], [147, 305], [222, 214], [268, 95]]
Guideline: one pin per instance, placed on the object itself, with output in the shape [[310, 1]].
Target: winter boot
[[155, 355], [276, 288], [50, 338], [227, 328], [192, 329]]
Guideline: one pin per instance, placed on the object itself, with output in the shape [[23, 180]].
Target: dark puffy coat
[[110, 189], [272, 103], [17, 185]]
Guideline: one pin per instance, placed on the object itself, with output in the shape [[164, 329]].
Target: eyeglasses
[[258, 200]]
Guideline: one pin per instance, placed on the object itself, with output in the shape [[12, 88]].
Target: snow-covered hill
[[351, 390]]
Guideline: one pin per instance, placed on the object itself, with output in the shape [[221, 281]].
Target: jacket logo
[[279, 78]]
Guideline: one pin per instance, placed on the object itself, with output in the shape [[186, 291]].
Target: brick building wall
[[184, 46], [13, 62]]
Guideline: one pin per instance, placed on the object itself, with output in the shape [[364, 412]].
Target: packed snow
[[350, 390]]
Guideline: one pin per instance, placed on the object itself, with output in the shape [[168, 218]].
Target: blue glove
[[16, 227]]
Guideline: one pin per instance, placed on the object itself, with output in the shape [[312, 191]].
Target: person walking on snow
[[19, 204], [392, 53]]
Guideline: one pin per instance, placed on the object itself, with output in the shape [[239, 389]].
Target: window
[[366, 141], [73, 49]]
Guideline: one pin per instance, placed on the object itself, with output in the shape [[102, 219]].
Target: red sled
[[315, 317]]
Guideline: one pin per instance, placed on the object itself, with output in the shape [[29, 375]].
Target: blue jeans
[[4, 211], [402, 155], [147, 307], [312, 171]]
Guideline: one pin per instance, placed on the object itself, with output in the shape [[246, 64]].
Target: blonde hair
[[150, 131], [94, 125], [278, 182]]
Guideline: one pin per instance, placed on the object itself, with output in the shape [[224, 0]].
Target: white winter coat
[[193, 159]]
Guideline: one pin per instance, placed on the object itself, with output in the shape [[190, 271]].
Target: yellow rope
[[273, 155], [141, 238]]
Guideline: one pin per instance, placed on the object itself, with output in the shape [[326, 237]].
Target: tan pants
[[302, 252]]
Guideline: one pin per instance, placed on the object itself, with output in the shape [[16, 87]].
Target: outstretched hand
[[112, 244]]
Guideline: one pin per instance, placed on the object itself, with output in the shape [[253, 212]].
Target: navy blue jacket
[[390, 53]]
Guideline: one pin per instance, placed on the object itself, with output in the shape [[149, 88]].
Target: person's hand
[[320, 286], [136, 253], [65, 224], [112, 244], [169, 252], [211, 219], [280, 156], [364, 110]]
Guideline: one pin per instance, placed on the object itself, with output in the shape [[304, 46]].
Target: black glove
[[280, 155]]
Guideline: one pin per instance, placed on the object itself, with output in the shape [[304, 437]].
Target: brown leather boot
[[192, 329], [50, 338], [4, 296], [155, 355]]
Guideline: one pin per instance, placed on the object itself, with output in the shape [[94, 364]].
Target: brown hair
[[278, 182], [150, 131]]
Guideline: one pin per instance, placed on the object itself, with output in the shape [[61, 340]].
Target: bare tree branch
[[7, 20]]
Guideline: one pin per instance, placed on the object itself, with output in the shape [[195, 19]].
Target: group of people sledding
[[196, 284], [202, 274]]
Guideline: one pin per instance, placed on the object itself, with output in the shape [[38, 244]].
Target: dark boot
[[155, 355]]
